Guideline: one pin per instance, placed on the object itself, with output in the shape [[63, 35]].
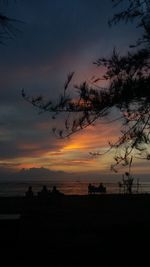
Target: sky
[[52, 39]]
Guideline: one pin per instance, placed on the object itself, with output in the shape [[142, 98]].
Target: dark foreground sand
[[78, 230]]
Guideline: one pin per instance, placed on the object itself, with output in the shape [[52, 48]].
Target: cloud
[[42, 149], [57, 37]]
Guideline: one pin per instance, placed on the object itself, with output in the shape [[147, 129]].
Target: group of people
[[92, 189], [44, 193]]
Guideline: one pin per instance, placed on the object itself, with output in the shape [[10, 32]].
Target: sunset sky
[[53, 39]]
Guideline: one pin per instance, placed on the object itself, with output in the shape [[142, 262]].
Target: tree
[[127, 90], [7, 25]]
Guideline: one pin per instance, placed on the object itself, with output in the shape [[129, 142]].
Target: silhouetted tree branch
[[127, 90], [8, 29]]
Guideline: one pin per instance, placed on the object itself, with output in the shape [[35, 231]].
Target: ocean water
[[15, 188]]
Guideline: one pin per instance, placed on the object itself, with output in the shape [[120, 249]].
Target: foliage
[[128, 79], [7, 25]]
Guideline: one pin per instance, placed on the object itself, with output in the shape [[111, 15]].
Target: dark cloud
[[55, 37], [54, 28]]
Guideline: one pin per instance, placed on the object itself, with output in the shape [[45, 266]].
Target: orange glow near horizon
[[72, 155]]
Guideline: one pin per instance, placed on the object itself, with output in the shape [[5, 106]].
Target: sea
[[74, 187]]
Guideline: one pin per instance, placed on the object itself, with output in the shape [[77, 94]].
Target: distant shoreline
[[15, 188]]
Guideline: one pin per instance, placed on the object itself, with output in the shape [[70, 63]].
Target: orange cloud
[[71, 154], [92, 138]]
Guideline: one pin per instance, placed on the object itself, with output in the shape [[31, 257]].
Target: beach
[[91, 223], [65, 214]]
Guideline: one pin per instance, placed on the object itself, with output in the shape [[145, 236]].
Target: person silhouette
[[29, 193], [102, 188], [44, 193], [54, 190], [44, 189], [89, 188]]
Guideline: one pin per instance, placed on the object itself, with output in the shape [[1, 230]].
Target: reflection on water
[[67, 187]]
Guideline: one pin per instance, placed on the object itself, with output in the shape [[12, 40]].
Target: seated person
[[90, 187], [29, 193], [56, 191], [102, 188], [44, 192]]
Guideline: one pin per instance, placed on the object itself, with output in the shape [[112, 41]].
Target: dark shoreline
[[109, 209], [14, 204], [97, 224]]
